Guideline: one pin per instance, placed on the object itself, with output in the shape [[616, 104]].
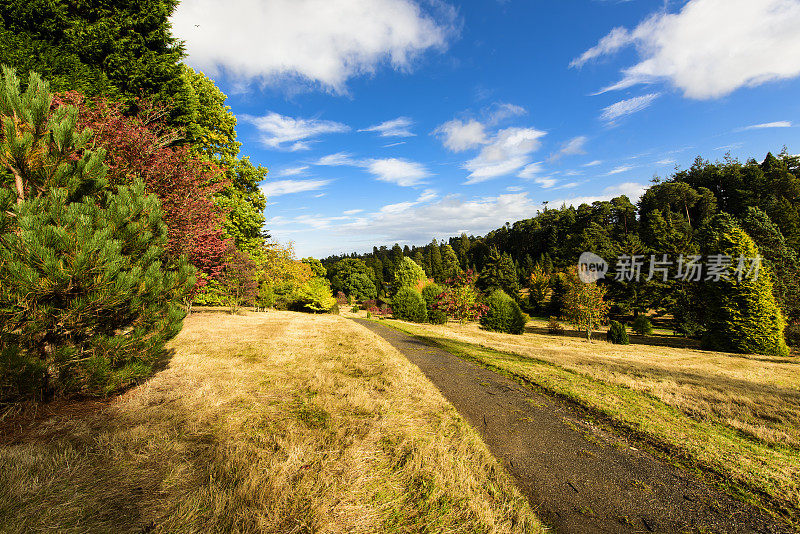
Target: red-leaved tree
[[142, 145]]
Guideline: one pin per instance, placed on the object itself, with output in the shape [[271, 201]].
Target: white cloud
[[316, 41], [337, 160], [592, 163], [287, 133], [500, 111], [666, 161], [710, 47], [293, 171], [514, 188], [628, 106], [398, 127], [274, 188], [572, 147], [506, 153], [778, 124], [394, 144], [397, 171], [411, 222], [458, 136], [351, 212], [393, 170], [546, 182], [531, 170], [620, 169]]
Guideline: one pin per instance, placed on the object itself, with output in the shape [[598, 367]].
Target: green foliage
[[430, 294], [436, 316], [316, 267], [119, 49], [642, 325], [741, 312], [408, 274], [499, 273], [584, 305], [450, 264], [88, 297], [503, 314], [617, 334], [539, 284], [359, 287], [408, 305], [340, 273], [315, 296]]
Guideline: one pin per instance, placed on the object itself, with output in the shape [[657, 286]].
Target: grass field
[[738, 415], [277, 422]]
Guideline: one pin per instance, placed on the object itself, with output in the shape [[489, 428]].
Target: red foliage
[[142, 145]]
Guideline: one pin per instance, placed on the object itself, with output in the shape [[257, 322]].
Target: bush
[[429, 293], [315, 296], [792, 334], [89, 296], [409, 305], [334, 309], [617, 334], [642, 325], [503, 314], [367, 304], [554, 327], [437, 316], [355, 309]]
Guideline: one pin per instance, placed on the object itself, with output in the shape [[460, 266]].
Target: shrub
[[460, 300], [617, 334], [792, 334], [503, 314], [408, 273], [437, 316], [430, 293], [315, 296], [409, 305], [334, 309], [89, 296], [355, 309], [554, 327], [367, 304], [642, 325]]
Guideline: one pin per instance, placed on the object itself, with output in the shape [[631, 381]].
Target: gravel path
[[579, 477]]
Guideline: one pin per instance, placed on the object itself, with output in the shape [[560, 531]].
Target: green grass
[[762, 471]]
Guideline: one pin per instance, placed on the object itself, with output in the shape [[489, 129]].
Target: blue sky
[[386, 121]]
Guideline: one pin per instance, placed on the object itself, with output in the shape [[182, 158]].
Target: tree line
[[727, 209]]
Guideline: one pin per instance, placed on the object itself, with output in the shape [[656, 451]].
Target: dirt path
[[579, 477]]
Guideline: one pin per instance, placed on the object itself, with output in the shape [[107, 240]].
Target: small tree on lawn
[[584, 305], [460, 300], [408, 274], [238, 280], [539, 283], [88, 293]]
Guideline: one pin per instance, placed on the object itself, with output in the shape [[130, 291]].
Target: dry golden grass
[[738, 414], [277, 422]]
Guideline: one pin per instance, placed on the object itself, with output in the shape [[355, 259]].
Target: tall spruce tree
[[741, 312], [88, 297]]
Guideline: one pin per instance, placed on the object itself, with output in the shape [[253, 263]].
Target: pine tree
[[88, 296], [741, 312], [450, 264], [436, 261]]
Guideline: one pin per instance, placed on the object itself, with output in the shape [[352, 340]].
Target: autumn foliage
[[142, 145]]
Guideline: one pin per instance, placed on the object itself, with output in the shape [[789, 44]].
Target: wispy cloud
[[292, 171], [571, 148], [507, 152], [398, 171], [620, 169], [274, 188], [593, 163], [777, 124], [288, 133], [627, 107], [399, 127]]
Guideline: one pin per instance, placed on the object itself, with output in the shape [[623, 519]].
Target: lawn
[[276, 422], [737, 415]]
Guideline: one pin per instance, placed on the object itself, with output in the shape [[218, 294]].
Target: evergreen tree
[[450, 264], [499, 273], [408, 274], [741, 312], [436, 261], [88, 295]]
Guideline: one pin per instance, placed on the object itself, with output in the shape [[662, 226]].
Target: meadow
[[276, 422]]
